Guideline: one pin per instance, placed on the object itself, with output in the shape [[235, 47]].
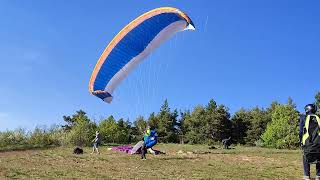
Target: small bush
[[282, 132], [82, 134]]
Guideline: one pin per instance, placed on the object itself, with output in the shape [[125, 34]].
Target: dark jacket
[[312, 125]]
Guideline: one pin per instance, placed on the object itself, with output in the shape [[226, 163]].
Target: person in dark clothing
[[308, 124], [226, 143]]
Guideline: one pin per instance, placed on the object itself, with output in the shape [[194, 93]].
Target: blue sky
[[243, 54]]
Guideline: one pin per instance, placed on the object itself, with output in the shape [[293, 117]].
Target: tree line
[[275, 126]]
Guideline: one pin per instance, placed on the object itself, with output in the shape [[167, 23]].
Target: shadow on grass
[[25, 148]]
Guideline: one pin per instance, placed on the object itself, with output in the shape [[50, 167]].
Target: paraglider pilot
[[309, 136], [150, 139], [226, 143]]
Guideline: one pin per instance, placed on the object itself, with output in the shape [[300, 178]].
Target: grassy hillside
[[179, 162]]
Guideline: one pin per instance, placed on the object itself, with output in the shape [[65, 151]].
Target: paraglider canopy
[[132, 44]]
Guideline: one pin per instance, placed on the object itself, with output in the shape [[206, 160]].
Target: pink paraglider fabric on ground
[[128, 148], [125, 148]]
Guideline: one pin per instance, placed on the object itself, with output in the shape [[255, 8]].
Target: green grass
[[179, 162]]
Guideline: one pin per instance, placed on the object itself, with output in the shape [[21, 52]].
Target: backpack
[[311, 139], [77, 150]]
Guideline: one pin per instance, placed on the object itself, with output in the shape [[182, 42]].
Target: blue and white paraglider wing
[[132, 44]]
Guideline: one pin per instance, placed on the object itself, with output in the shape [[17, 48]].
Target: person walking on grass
[[96, 142], [309, 136], [226, 143]]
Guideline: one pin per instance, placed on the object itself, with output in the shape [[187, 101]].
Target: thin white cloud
[[3, 115], [21, 60]]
